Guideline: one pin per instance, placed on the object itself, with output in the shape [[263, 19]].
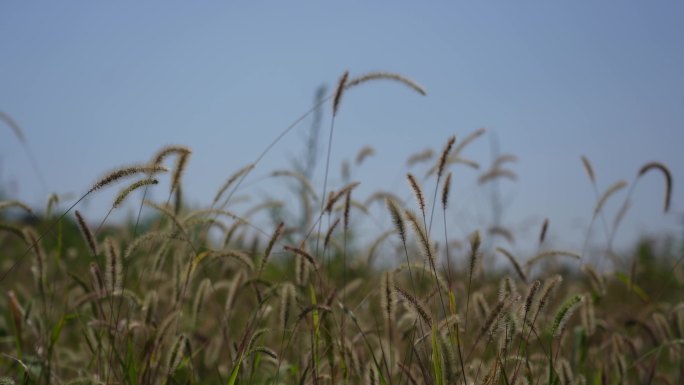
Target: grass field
[[206, 295]]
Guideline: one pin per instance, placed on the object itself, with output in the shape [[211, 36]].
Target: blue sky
[[95, 85]]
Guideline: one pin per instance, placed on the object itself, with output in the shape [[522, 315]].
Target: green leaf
[[436, 359], [57, 329], [632, 286]]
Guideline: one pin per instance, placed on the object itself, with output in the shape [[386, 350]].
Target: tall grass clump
[[295, 289]]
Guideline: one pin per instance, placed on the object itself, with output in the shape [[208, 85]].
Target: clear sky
[[96, 85]]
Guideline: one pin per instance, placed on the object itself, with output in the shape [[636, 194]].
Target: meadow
[[209, 295]]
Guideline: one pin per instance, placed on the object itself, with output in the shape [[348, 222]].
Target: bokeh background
[[96, 85]]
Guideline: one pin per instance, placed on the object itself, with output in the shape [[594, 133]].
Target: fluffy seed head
[[159, 157], [668, 179], [529, 299], [13, 126], [564, 313], [415, 305], [422, 236], [15, 203], [178, 170], [301, 270], [397, 218], [364, 153], [588, 169], [615, 187], [467, 140], [497, 173], [551, 254], [547, 290], [124, 172], [596, 280], [300, 252], [347, 205], [445, 156], [507, 288], [422, 156], [123, 194], [274, 238], [287, 301], [493, 316], [475, 242], [544, 228], [113, 268], [238, 174], [341, 84], [329, 233], [335, 196], [445, 191], [514, 262], [416, 191], [389, 76], [387, 296], [88, 236], [96, 279]]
